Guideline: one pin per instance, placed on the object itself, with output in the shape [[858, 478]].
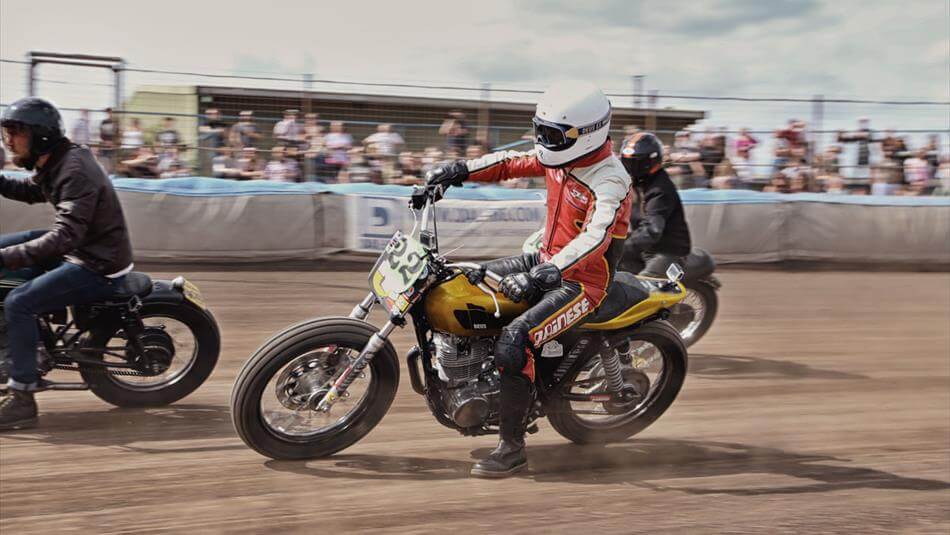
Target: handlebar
[[485, 288]]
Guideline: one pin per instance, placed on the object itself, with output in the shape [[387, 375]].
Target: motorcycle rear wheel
[[614, 427]]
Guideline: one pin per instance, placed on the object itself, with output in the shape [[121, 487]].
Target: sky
[[793, 48]]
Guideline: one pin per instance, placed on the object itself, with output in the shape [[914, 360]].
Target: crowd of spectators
[[324, 151], [712, 159]]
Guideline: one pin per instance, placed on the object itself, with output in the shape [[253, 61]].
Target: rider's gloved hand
[[475, 276], [529, 286], [449, 174]]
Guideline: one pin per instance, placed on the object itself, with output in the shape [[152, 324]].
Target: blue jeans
[[52, 287]]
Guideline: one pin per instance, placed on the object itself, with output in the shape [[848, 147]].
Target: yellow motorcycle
[[320, 386]]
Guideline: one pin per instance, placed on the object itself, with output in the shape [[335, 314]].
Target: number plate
[[397, 270], [193, 294]]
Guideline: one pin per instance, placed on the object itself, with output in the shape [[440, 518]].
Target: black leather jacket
[[89, 229], [657, 221]]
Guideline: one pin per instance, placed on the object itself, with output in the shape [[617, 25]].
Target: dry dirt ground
[[818, 403]]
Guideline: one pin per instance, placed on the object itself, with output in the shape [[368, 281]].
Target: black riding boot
[[509, 457], [17, 410]]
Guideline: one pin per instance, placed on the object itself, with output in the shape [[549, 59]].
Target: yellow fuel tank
[[456, 306]]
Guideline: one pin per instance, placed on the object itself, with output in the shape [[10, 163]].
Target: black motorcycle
[[150, 344], [692, 316]]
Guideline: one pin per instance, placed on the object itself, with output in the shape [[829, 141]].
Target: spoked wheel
[[275, 398], [693, 316], [655, 372], [181, 349]]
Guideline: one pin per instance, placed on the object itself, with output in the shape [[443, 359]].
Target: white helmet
[[572, 120]]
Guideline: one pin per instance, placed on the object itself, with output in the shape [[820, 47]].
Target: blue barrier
[[213, 187]]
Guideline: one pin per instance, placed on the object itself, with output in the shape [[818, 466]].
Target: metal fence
[[734, 141]]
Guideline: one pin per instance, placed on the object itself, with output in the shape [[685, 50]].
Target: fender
[[166, 292]]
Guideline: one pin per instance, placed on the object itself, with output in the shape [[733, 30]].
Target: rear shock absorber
[[612, 370]]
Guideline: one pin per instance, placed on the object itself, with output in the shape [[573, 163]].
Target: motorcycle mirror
[[674, 273]]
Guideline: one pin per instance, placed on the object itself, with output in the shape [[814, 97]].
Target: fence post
[[483, 133], [30, 76], [817, 115]]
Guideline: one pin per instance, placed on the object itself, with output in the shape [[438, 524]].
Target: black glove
[[449, 174], [475, 276], [529, 286]]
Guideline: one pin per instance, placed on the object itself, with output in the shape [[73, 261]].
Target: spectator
[[932, 149], [358, 170], [211, 137], [249, 165], [829, 162], [384, 142], [170, 164], [778, 184], [474, 151], [742, 161], [338, 144], [108, 139], [168, 136], [883, 181], [244, 132], [314, 148], [712, 149], [431, 157], [142, 164], [280, 168], [81, 133], [685, 159], [863, 138], [411, 167], [223, 165], [455, 131], [943, 177], [383, 146], [917, 169], [834, 184], [724, 177], [132, 137], [798, 175], [289, 132]]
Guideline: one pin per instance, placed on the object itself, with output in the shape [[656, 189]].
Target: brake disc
[[305, 381]]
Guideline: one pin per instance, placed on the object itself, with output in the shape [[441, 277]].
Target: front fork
[[355, 369]]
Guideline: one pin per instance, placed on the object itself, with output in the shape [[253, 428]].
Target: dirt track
[[820, 402]]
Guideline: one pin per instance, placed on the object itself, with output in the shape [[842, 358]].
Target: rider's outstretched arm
[[21, 190], [503, 165]]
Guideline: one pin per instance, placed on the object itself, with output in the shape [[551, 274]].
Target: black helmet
[[43, 121], [642, 155]]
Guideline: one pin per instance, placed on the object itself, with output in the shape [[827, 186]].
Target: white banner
[[479, 229]]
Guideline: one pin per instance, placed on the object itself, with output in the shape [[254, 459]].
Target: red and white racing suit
[[588, 215]]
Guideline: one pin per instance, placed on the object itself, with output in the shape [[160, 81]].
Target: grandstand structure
[[417, 118]]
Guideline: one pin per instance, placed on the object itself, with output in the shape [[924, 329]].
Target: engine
[[471, 382]]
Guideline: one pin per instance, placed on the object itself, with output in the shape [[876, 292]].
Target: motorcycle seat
[[625, 291], [134, 284], [699, 264]]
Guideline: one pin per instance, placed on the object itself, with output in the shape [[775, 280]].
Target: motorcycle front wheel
[[274, 399]]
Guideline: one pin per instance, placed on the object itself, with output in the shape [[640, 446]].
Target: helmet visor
[[553, 136], [557, 137]]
